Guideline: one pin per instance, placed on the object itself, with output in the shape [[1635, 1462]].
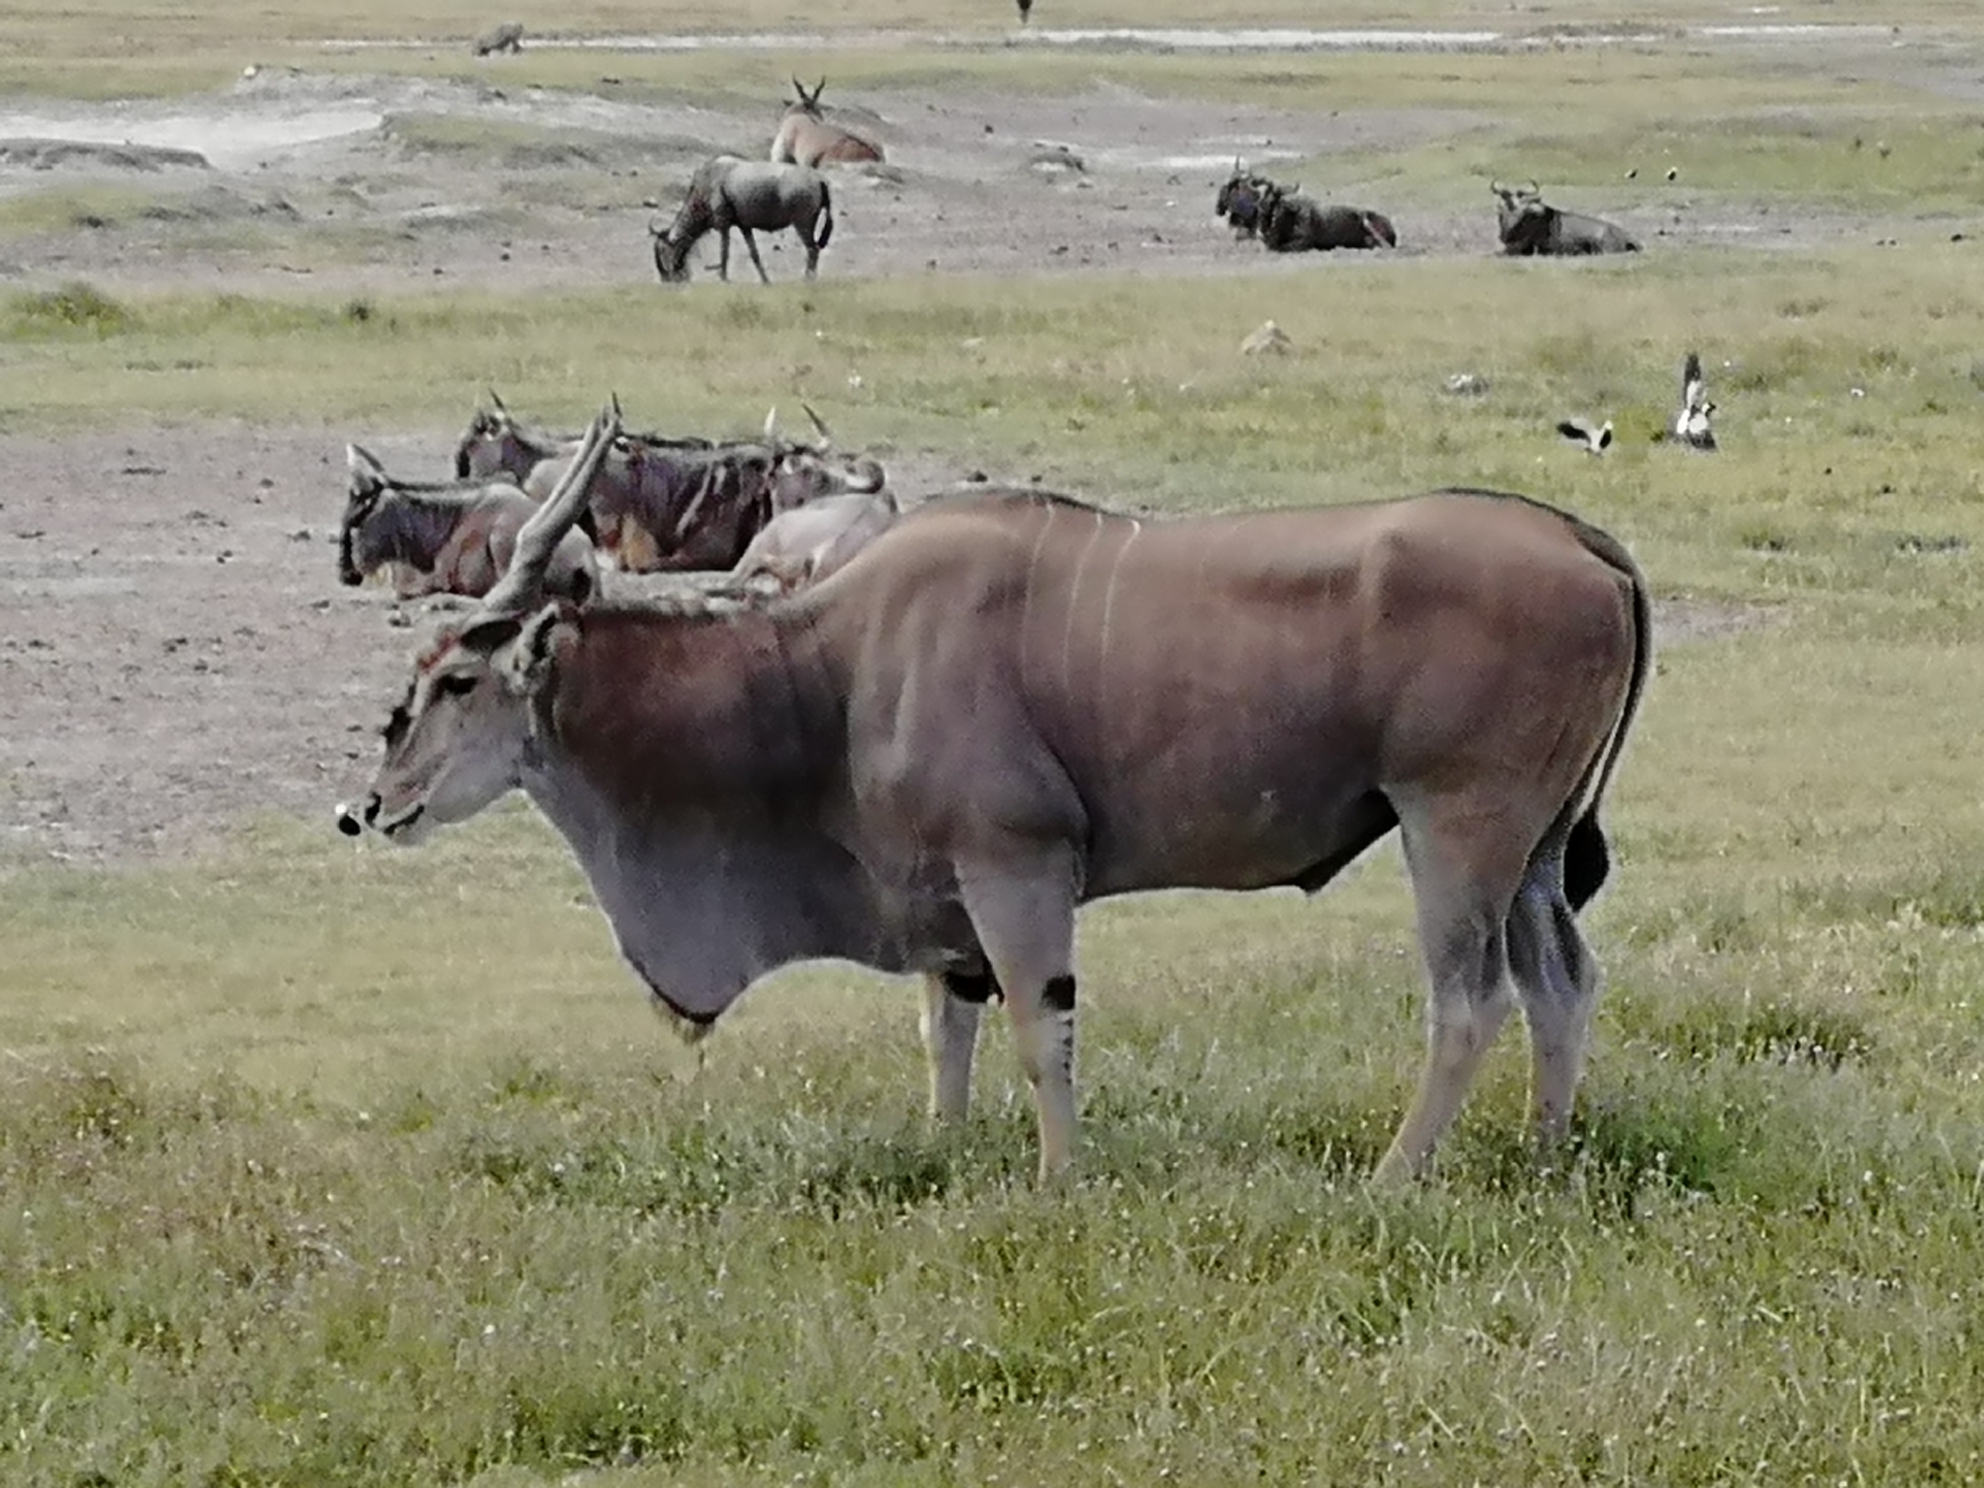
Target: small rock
[[1268, 338]]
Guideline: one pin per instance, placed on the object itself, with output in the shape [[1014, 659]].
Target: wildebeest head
[[488, 444], [366, 481], [671, 254], [458, 739], [1238, 200], [1517, 205], [807, 472]]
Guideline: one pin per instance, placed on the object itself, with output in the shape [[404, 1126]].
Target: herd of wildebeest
[[917, 735], [789, 191]]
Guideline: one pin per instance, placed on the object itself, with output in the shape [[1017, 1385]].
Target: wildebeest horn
[[358, 459], [826, 434], [771, 425], [1495, 187], [523, 580], [1534, 189]]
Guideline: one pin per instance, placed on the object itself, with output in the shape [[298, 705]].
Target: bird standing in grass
[[1691, 424], [1595, 440]]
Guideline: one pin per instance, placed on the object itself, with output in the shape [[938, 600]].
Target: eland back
[[1011, 704]]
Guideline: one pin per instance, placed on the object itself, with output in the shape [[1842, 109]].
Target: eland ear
[[525, 663], [484, 637]]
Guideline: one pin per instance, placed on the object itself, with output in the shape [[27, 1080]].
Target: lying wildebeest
[[804, 544], [661, 508], [1239, 200], [454, 538], [1528, 226], [1293, 223], [806, 138], [1011, 704], [728, 192], [508, 37]]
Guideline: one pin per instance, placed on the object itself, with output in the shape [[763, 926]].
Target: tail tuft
[[1587, 860]]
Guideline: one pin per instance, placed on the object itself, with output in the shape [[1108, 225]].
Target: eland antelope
[[805, 137], [1012, 703], [454, 538], [750, 195]]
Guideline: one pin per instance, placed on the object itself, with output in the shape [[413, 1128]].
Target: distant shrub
[[77, 305]]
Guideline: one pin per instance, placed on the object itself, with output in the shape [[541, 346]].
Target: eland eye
[[457, 684]]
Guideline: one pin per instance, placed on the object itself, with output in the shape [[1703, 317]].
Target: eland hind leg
[[1465, 873], [1557, 979]]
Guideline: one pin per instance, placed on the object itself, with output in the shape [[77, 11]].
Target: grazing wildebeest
[[1293, 223], [804, 544], [1529, 227], [728, 192], [1011, 704], [806, 138], [1239, 200], [454, 538], [508, 37], [671, 509]]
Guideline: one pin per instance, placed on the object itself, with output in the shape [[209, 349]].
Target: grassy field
[[323, 1166]]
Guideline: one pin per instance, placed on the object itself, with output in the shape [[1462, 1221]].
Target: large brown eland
[[1011, 704], [452, 538], [749, 195], [806, 137], [1529, 227]]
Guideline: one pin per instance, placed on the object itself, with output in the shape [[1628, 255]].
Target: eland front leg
[[952, 1001]]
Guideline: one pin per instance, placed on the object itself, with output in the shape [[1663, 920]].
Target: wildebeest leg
[[952, 1002], [752, 244], [723, 254], [1464, 879], [1024, 913], [1557, 979], [812, 252]]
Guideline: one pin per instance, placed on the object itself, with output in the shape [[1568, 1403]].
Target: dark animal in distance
[[455, 538], [750, 195], [806, 137], [1227, 702], [508, 37], [1529, 227], [1293, 223], [1025, 7]]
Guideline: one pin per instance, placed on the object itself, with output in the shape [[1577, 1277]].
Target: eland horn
[[523, 581]]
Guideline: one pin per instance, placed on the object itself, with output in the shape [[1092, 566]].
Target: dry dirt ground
[[160, 674]]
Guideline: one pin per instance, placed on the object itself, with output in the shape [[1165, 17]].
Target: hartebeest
[[453, 538], [805, 137], [1012, 703]]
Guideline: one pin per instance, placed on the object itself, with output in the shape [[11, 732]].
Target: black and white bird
[[1691, 424], [1595, 440]]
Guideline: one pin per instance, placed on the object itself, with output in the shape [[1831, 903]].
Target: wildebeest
[[446, 539], [1290, 222], [1011, 704], [805, 137], [1239, 200], [805, 544], [1529, 227], [728, 192], [663, 508], [508, 37]]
